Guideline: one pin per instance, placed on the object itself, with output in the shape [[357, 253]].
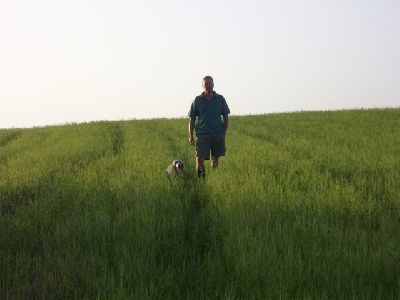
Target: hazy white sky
[[73, 61]]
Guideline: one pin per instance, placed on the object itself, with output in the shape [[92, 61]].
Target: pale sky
[[65, 61]]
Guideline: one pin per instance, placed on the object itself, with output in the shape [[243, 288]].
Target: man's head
[[208, 84]]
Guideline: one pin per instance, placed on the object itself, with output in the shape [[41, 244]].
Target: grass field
[[304, 205]]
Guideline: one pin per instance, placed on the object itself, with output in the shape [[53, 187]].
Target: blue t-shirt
[[208, 113]]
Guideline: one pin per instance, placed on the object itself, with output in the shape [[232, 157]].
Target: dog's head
[[178, 165]]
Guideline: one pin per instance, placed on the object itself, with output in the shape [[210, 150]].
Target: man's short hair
[[208, 77]]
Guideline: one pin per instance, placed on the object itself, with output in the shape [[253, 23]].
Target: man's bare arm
[[225, 123], [191, 129]]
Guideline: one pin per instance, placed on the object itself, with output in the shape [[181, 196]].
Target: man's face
[[208, 85]]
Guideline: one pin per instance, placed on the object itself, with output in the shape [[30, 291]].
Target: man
[[210, 128]]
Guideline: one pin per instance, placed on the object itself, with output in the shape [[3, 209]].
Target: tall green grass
[[304, 205]]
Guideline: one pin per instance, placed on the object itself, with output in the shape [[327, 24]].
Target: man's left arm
[[225, 112], [225, 123]]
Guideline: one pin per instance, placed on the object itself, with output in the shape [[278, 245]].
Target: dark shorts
[[210, 142]]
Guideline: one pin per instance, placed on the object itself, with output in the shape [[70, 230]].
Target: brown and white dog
[[175, 169]]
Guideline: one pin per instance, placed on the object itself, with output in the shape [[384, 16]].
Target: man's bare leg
[[214, 162], [200, 167]]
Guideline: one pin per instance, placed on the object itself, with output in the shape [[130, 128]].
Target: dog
[[175, 169]]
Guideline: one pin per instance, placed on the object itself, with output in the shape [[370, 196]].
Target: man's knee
[[200, 163], [200, 159], [214, 161]]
